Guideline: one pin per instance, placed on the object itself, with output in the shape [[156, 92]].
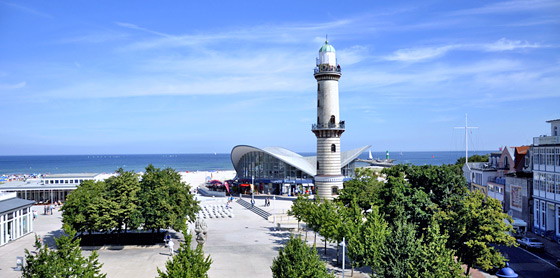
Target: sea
[[60, 164]]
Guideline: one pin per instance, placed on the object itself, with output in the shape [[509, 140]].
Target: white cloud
[[510, 7], [136, 27], [28, 10], [7, 87], [420, 54], [505, 45], [427, 53]]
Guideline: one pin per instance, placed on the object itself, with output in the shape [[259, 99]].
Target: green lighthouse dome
[[327, 47]]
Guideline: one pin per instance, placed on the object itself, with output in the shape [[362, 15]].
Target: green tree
[[187, 263], [122, 194], [297, 260], [473, 224], [64, 261], [374, 234], [164, 200], [435, 260], [362, 189], [329, 220], [473, 158], [301, 210], [87, 208], [400, 252], [353, 221]]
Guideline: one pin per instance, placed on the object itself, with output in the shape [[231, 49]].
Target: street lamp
[[343, 244]]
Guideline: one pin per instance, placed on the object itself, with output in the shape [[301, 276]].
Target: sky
[[143, 77]]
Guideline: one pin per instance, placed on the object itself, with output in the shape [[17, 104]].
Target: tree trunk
[[337, 255], [325, 246], [468, 270], [352, 272], [315, 240]]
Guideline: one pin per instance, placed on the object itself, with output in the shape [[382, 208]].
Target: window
[[334, 190], [318, 103], [332, 120], [318, 165], [333, 148], [543, 215], [318, 87], [555, 131]]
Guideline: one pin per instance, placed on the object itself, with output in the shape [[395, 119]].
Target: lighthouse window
[[333, 148], [332, 119], [318, 87], [318, 103], [317, 165], [334, 190]]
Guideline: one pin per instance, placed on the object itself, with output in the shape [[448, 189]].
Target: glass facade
[[264, 166]]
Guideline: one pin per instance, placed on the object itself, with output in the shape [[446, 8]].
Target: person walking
[[170, 244]]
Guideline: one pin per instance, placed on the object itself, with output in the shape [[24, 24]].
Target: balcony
[[327, 69], [332, 126], [546, 140]]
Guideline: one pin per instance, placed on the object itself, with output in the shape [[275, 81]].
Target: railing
[[546, 140], [327, 69], [497, 180], [340, 125]]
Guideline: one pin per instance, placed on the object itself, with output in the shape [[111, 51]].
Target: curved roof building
[[277, 170]]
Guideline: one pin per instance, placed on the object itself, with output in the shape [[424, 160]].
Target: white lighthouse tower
[[329, 127]]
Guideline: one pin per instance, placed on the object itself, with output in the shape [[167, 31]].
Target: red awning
[[244, 184]]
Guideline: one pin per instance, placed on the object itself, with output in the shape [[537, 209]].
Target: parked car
[[530, 243]]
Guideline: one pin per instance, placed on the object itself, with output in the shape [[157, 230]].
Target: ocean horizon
[[109, 163]]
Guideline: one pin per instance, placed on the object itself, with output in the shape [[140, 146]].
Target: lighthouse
[[329, 127]]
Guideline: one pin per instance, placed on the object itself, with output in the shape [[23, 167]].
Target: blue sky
[[119, 77]]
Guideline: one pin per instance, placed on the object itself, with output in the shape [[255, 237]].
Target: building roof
[[13, 204], [522, 149], [551, 121], [306, 164], [35, 185], [71, 176], [327, 47]]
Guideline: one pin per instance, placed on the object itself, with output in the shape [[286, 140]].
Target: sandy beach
[[194, 179]]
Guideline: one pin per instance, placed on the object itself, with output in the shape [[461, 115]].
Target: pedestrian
[[252, 203], [167, 237], [170, 244]]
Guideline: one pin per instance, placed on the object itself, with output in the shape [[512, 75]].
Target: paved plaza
[[242, 246]]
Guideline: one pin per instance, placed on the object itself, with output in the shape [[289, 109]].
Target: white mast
[[466, 127]]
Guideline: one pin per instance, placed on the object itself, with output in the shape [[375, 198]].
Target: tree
[[473, 158], [164, 200], [296, 260], [87, 208], [473, 224], [187, 263], [64, 261], [352, 221], [374, 233], [300, 209], [122, 194], [435, 260], [329, 220], [362, 189]]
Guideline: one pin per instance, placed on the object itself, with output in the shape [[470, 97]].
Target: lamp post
[[343, 244], [274, 211]]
